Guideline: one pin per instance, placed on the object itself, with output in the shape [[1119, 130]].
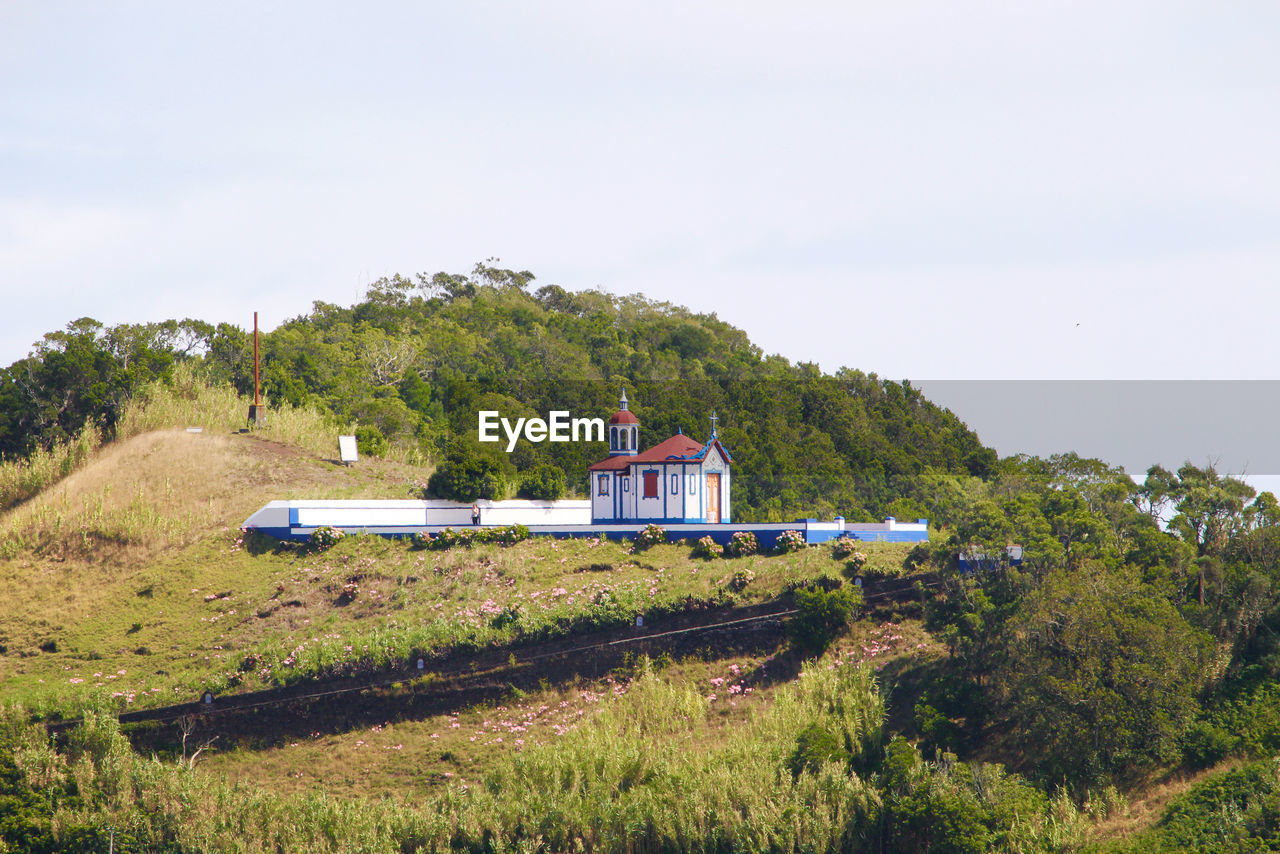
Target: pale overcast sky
[[983, 190]]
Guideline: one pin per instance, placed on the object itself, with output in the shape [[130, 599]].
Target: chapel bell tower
[[624, 430]]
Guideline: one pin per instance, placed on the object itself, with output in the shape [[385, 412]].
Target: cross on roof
[[714, 419]]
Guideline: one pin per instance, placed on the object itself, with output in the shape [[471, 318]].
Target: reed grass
[[22, 479]]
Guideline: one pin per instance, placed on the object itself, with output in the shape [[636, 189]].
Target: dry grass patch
[[1148, 800]]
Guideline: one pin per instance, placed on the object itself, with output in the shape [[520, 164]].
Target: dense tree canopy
[[420, 356]]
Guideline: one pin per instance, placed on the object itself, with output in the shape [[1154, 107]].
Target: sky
[[924, 190]]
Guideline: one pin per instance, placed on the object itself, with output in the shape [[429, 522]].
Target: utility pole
[[257, 412]]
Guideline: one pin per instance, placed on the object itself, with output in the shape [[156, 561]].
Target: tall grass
[[638, 776], [653, 769], [24, 478], [189, 400]]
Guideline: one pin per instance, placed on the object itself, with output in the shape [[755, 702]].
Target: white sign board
[[347, 449]]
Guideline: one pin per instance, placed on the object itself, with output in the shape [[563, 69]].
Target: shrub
[[707, 547], [790, 541], [740, 579], [741, 544], [823, 615], [650, 535], [509, 616], [325, 537], [510, 535], [543, 482], [875, 570], [467, 476], [1204, 744], [370, 442], [846, 548], [816, 745], [936, 729], [450, 537]]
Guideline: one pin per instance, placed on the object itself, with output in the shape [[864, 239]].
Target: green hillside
[[1108, 685]]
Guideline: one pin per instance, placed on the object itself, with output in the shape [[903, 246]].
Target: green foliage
[[83, 376], [1231, 813], [450, 538], [1204, 744], [543, 482], [1244, 718], [1101, 675], [954, 807], [823, 616], [467, 476], [816, 745], [370, 442], [936, 729]]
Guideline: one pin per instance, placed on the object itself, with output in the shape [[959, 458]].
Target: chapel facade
[[679, 480]]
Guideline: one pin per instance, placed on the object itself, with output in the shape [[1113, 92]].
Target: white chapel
[[679, 480]]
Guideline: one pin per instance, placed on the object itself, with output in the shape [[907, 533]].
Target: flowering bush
[[741, 579], [510, 535], [350, 591], [848, 549], [450, 537], [707, 547], [650, 535], [325, 537], [742, 543], [843, 547], [790, 541]]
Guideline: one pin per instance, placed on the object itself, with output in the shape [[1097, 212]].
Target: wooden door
[[713, 499]]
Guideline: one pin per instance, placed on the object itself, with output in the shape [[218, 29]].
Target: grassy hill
[[139, 590], [136, 563]]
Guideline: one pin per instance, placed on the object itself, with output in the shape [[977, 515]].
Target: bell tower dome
[[624, 430]]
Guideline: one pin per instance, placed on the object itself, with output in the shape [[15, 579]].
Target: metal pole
[[257, 395]]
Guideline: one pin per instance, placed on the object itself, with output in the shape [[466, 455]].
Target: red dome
[[624, 416]]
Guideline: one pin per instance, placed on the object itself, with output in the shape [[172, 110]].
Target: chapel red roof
[[624, 416], [678, 446]]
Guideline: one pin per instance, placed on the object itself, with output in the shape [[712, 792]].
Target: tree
[[1101, 676], [467, 475], [1210, 508]]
